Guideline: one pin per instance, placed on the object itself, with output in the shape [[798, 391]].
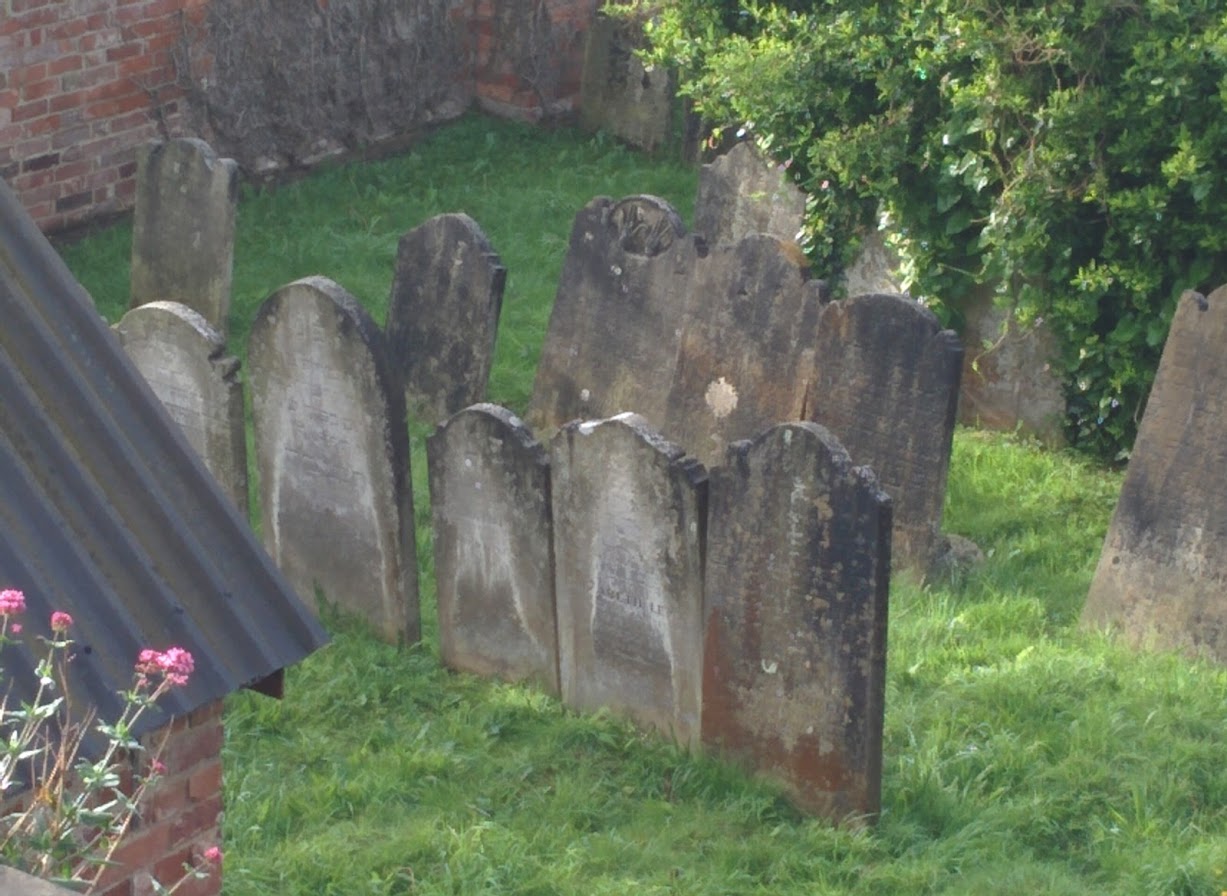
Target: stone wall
[[84, 84]]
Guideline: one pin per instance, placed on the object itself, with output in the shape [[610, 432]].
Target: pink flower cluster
[[12, 602], [175, 663], [60, 621]]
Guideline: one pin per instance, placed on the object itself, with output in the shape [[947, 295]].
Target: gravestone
[[617, 319], [184, 360], [629, 518], [741, 193], [332, 449], [746, 356], [887, 386], [183, 227], [618, 94], [798, 575], [443, 314], [490, 502], [1162, 576]]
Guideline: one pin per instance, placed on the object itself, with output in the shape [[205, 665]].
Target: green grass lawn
[[1021, 754]]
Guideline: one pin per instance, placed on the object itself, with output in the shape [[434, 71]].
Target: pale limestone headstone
[[443, 314], [618, 95], [887, 386], [490, 502], [617, 319], [629, 518], [332, 449], [742, 193], [798, 575], [184, 360], [746, 356], [1162, 576], [183, 227]]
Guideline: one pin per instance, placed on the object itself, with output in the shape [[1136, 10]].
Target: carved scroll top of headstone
[[645, 225]]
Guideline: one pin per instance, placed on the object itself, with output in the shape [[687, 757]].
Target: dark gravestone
[[443, 314], [798, 574], [183, 228], [618, 315], [332, 450], [629, 517], [742, 193], [618, 95], [184, 360], [746, 358], [887, 386], [1162, 576], [490, 501]]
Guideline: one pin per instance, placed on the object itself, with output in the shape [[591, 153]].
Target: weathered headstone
[[629, 518], [184, 360], [183, 228], [490, 501], [887, 386], [798, 575], [741, 193], [1162, 576], [618, 314], [332, 448], [746, 357], [618, 94], [443, 314]]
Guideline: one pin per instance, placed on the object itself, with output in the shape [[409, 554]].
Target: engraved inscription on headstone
[[629, 518], [443, 314], [887, 386], [332, 449], [183, 228], [798, 570], [184, 360], [490, 502], [1162, 576], [742, 193], [746, 358], [618, 315]]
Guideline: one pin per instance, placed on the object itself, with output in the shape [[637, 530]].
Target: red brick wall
[[180, 819], [83, 83]]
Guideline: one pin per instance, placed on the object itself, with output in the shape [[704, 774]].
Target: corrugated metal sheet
[[107, 513]]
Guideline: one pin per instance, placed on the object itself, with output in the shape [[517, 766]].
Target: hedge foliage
[[1071, 154]]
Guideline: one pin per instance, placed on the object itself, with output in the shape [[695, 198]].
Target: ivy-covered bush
[[1071, 154]]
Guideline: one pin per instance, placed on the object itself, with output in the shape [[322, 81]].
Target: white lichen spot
[[584, 395], [769, 667], [721, 398]]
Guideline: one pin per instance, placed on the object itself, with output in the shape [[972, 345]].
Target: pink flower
[[157, 767], [15, 628], [60, 621], [213, 855], [12, 601], [176, 664]]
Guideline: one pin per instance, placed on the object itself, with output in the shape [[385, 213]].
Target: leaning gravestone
[[183, 227], [1161, 575], [798, 574], [887, 386], [618, 95], [332, 449], [629, 515], [490, 502], [184, 361], [443, 314], [618, 314], [746, 356], [741, 193]]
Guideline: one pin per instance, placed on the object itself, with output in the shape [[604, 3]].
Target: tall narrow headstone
[[443, 314], [798, 573], [618, 94], [1161, 575], [746, 357], [490, 501], [332, 448], [887, 386], [183, 228], [184, 360], [629, 519], [741, 193], [618, 314]]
